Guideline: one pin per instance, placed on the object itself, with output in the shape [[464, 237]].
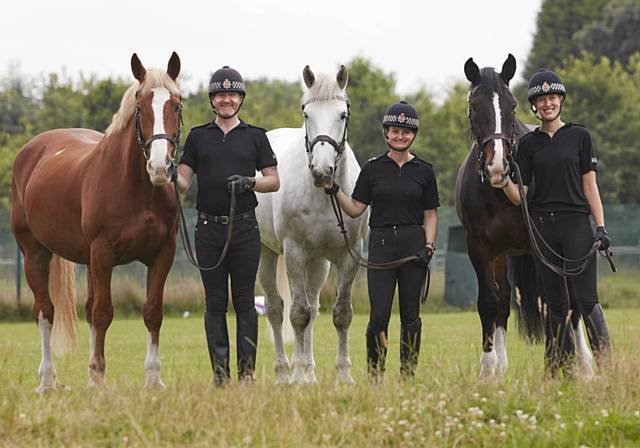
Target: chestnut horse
[[79, 196]]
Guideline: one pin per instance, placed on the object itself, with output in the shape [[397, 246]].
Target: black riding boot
[[376, 352], [560, 346], [215, 327], [247, 342], [410, 347], [598, 335]]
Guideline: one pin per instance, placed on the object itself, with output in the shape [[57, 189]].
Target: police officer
[[402, 191], [561, 159], [225, 151]]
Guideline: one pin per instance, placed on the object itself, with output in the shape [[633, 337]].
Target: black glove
[[602, 236], [333, 189], [243, 183], [424, 257]]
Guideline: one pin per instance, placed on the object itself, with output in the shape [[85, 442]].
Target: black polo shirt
[[398, 195], [214, 157], [557, 164]]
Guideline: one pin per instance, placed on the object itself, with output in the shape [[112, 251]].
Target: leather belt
[[225, 219]]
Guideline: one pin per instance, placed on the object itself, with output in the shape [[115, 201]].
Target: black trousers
[[387, 244], [570, 235], [241, 264]]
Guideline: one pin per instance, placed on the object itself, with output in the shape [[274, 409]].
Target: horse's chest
[[144, 234]]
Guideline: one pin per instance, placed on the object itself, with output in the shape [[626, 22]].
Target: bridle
[[144, 144], [480, 143], [578, 265], [339, 147]]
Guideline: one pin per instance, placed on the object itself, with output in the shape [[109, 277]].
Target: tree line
[[594, 45]]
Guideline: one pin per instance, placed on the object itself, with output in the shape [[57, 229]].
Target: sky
[[423, 43]]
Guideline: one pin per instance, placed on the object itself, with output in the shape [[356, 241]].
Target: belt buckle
[[223, 219]]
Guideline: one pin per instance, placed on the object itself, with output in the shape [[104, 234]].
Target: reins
[[532, 230]]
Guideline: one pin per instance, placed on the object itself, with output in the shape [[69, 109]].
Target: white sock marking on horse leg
[[584, 358], [152, 364], [500, 346], [310, 363], [488, 363], [47, 370]]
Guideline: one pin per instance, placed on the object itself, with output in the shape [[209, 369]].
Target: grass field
[[446, 406]]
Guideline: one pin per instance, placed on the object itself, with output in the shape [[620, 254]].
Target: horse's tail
[[282, 282], [527, 294], [63, 295]]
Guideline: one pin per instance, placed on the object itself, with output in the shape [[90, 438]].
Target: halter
[[145, 144], [339, 147], [480, 144]]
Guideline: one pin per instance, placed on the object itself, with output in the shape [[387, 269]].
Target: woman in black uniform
[[560, 158], [401, 189], [224, 151]]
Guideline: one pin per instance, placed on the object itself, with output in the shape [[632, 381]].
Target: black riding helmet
[[226, 79], [544, 82], [401, 115]]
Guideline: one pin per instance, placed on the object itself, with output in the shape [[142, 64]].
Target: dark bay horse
[[79, 196], [496, 236]]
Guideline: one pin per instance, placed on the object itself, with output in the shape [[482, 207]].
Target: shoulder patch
[[200, 126], [257, 127], [378, 157]]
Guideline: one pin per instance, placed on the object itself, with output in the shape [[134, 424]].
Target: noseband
[[339, 147], [145, 144], [480, 143]]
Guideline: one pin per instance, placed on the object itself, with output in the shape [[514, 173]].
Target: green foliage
[[616, 35], [370, 91], [558, 21], [605, 97]]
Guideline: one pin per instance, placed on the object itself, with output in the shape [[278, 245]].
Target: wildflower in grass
[[579, 424], [604, 413], [637, 413], [503, 434], [438, 433], [476, 395], [562, 425], [557, 416], [501, 392], [483, 399]]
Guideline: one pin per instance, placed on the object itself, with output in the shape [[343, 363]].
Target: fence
[[623, 224]]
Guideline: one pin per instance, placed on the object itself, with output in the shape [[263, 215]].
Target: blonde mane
[[152, 79], [324, 88]]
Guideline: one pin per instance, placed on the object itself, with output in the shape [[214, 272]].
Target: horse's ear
[[173, 68], [308, 76], [508, 69], [343, 77], [472, 71], [137, 68]]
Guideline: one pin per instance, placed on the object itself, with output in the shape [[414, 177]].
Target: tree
[[370, 92], [557, 23], [617, 35], [605, 97]]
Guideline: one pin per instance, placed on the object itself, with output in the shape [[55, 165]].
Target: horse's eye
[[304, 114], [344, 115]]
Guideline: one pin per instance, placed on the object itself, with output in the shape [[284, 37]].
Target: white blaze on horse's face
[[158, 165], [497, 169], [327, 118]]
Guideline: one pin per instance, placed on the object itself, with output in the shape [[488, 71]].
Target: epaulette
[[374, 158], [422, 160], [257, 127], [200, 126]]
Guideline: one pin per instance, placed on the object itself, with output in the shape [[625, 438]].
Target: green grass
[[446, 406]]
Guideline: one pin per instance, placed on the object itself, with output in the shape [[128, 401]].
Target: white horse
[[297, 221]]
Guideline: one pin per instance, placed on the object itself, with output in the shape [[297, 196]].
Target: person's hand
[[602, 236], [242, 183], [423, 257], [333, 189]]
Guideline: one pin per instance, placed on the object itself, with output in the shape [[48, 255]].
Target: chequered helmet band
[[226, 85], [547, 87], [400, 120]]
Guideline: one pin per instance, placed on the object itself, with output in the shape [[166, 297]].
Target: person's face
[[548, 106], [399, 139], [226, 104]]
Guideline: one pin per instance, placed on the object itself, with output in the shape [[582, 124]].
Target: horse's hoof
[[298, 377], [44, 388], [155, 384], [346, 378]]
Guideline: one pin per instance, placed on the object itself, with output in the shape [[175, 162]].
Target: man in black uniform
[[225, 151], [561, 159], [402, 191]]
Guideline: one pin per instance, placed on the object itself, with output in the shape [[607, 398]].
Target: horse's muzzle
[[160, 175]]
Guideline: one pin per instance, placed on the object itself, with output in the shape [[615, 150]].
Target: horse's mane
[[152, 79], [491, 81], [324, 88]]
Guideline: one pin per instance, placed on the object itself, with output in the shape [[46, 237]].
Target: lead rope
[[362, 262], [533, 231], [184, 231]]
